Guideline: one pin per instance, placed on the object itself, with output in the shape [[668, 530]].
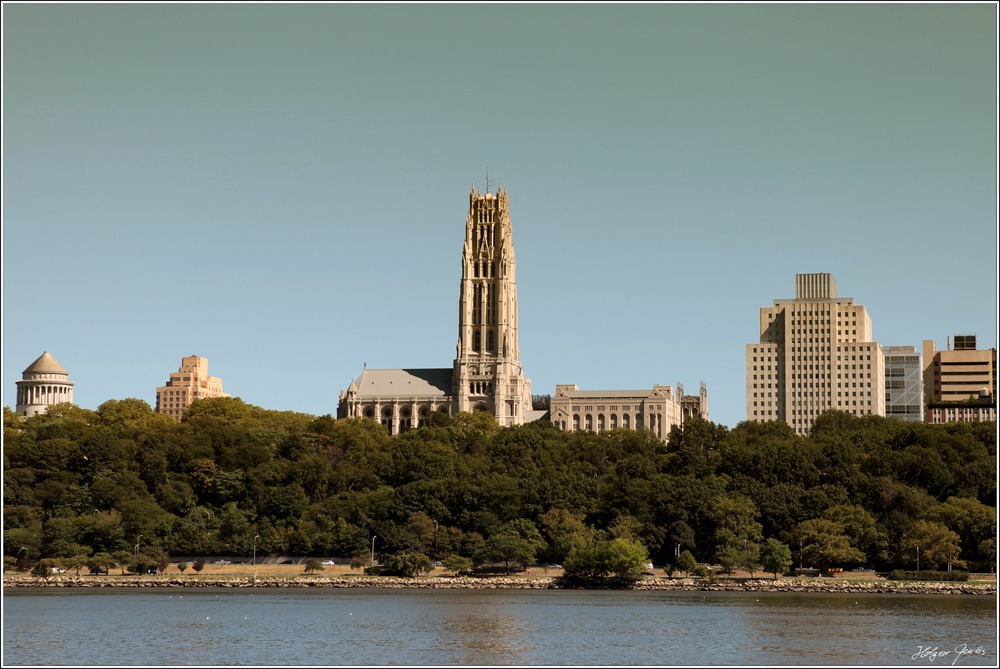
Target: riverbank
[[809, 585]]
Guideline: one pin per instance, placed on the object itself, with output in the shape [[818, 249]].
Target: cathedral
[[486, 374]]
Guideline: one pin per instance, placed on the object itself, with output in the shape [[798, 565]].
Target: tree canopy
[[231, 476]]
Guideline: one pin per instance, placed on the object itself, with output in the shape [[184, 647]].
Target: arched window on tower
[[476, 343], [491, 342]]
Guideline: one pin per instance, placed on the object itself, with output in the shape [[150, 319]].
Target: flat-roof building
[[657, 410]]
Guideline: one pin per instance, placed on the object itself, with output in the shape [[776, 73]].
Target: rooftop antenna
[[487, 179]]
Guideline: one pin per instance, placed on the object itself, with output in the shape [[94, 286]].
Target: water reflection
[[420, 627]]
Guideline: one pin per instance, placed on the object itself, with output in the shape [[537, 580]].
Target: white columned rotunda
[[43, 384]]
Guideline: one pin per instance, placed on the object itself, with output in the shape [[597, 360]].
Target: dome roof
[[45, 364]]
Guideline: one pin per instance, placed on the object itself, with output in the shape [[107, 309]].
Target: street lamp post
[[138, 541], [918, 559], [373, 550], [256, 537]]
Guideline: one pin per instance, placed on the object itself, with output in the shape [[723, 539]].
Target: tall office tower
[[904, 383], [42, 384], [815, 354], [191, 382], [486, 374]]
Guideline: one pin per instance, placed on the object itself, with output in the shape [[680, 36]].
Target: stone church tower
[[488, 374]]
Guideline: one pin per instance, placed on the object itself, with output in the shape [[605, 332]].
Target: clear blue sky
[[283, 189]]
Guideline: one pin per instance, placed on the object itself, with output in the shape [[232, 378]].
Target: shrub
[[906, 575]]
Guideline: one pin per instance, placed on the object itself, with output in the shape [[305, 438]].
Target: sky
[[282, 189]]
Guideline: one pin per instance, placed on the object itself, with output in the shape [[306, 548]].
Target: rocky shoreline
[[500, 583]]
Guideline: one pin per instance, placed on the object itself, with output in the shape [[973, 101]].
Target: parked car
[[554, 566], [328, 562], [222, 562], [437, 563]]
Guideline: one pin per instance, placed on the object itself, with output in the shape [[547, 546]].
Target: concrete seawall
[[542, 583]]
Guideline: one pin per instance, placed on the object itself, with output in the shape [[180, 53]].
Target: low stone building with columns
[[486, 374], [657, 410], [42, 384]]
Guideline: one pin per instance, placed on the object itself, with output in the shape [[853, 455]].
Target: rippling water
[[492, 627]]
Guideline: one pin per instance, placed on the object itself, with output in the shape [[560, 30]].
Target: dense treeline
[[857, 491]]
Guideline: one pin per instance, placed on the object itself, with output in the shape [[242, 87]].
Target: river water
[[271, 627]]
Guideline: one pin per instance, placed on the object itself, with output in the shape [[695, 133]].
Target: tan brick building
[[191, 382], [815, 354], [960, 373]]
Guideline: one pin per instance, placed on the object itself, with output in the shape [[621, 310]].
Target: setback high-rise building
[[43, 383], [904, 383], [486, 374], [815, 354], [191, 382]]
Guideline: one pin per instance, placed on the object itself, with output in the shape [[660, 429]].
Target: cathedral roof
[[45, 364], [403, 383]]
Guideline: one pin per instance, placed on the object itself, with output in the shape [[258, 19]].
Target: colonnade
[[43, 393]]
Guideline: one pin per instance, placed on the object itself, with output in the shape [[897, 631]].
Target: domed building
[[43, 384]]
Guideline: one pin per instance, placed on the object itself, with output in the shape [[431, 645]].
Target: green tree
[[861, 529], [929, 545], [76, 562], [973, 521], [623, 560], [360, 560], [686, 562], [775, 557], [564, 531], [313, 565], [409, 564], [517, 541], [182, 566], [824, 544], [456, 563]]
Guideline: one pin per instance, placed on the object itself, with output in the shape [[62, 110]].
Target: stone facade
[[486, 374], [42, 384], [657, 410], [191, 382], [815, 354]]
